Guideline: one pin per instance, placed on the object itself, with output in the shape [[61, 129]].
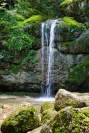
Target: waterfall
[[48, 42], [42, 54]]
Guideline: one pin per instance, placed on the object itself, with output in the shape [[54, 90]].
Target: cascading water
[[42, 54], [48, 41]]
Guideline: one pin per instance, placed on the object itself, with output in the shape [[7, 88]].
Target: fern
[[34, 19], [19, 40], [68, 2], [72, 22]]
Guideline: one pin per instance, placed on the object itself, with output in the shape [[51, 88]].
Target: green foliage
[[8, 17], [14, 37], [16, 15], [23, 8], [72, 22], [19, 40], [70, 29], [67, 2], [79, 9], [46, 7], [34, 19], [30, 56]]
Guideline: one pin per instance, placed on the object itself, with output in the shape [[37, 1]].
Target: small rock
[[46, 129]]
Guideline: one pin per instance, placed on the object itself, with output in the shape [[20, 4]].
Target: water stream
[[48, 44]]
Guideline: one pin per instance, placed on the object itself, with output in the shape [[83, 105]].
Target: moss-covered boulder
[[65, 98], [46, 106], [22, 121], [47, 115], [69, 120]]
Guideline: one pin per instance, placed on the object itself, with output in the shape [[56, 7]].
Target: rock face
[[65, 98], [69, 120], [67, 57], [21, 122], [31, 79], [28, 78]]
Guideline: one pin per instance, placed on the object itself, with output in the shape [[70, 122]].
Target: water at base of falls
[[44, 99], [48, 36]]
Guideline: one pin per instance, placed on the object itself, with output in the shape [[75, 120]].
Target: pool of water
[[44, 99]]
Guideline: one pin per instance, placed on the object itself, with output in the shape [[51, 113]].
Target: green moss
[[71, 102], [83, 40], [85, 111], [68, 44], [46, 106], [79, 45], [34, 19], [47, 115], [68, 2], [71, 22], [68, 101], [21, 121], [75, 76], [70, 120]]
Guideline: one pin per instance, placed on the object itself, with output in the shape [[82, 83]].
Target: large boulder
[[69, 120], [65, 98], [22, 121]]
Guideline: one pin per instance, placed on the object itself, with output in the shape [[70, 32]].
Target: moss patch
[[46, 106], [70, 120], [47, 115], [79, 73], [21, 121]]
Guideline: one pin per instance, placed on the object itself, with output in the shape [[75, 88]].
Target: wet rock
[[65, 98]]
